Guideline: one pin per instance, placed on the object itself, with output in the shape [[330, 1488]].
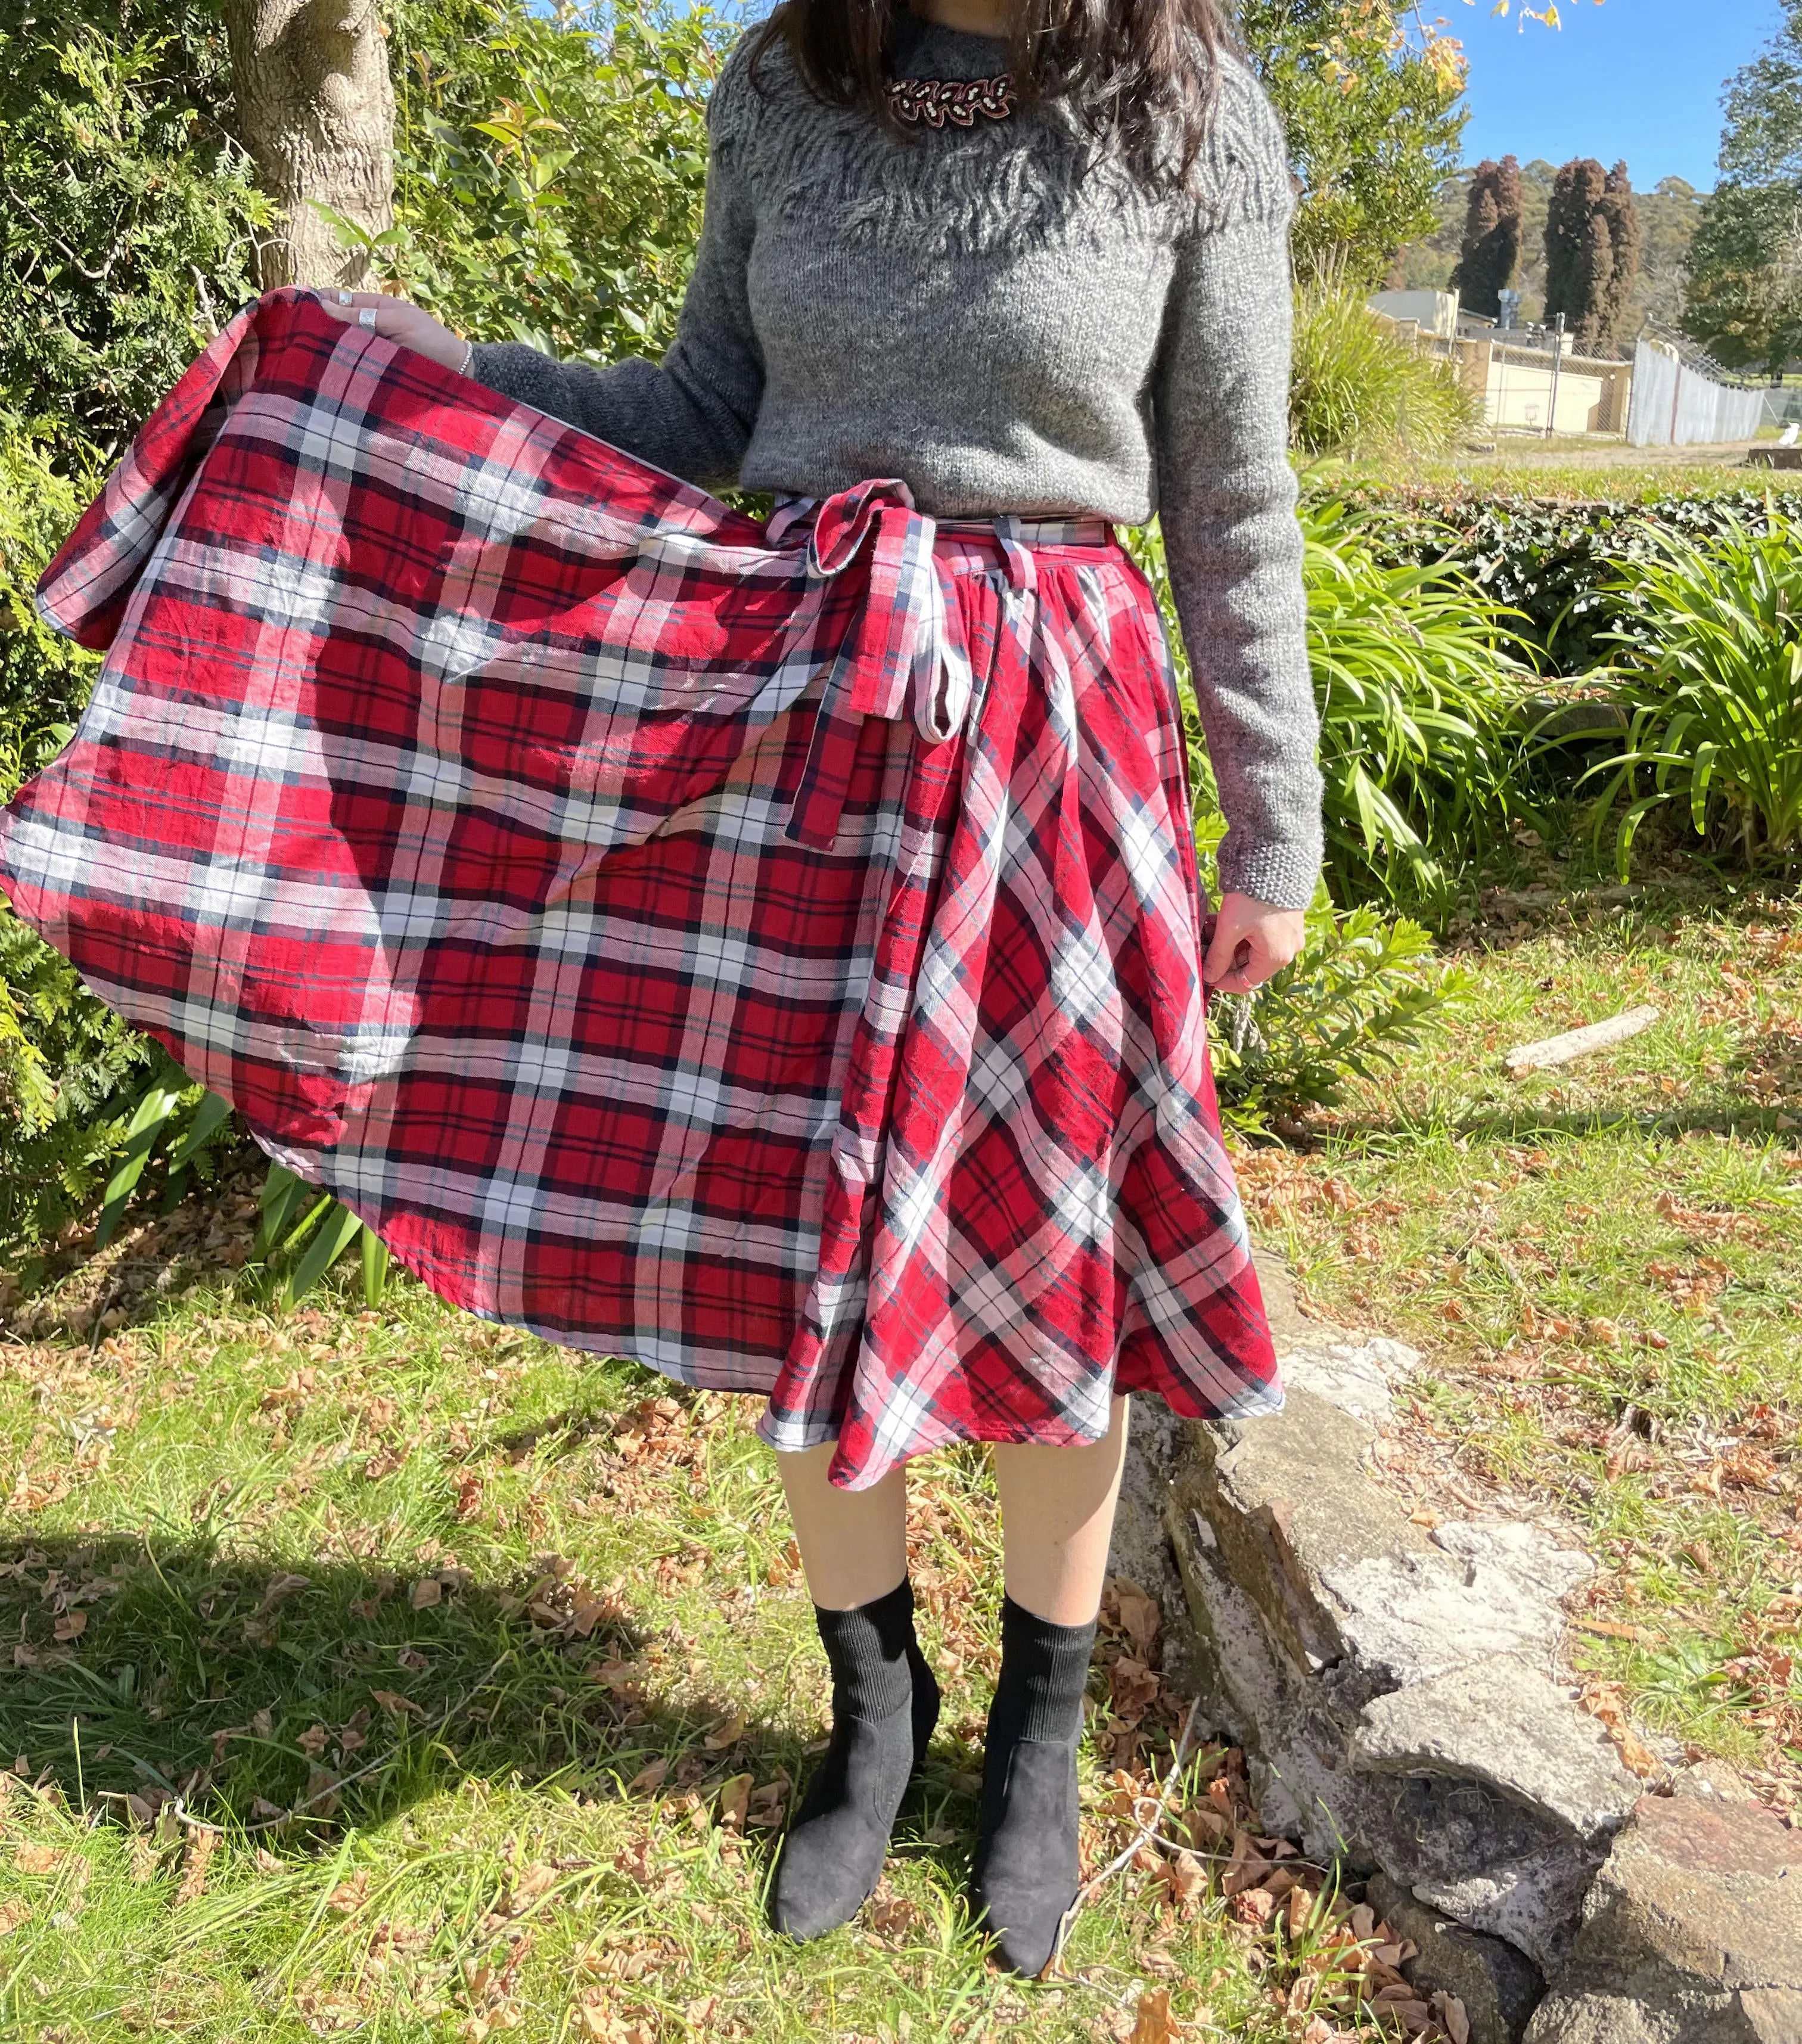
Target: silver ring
[[344, 297], [366, 318]]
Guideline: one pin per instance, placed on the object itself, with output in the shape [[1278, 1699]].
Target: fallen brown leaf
[[1151, 2021], [200, 1847]]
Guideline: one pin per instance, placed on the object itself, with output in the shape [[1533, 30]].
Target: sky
[[1635, 78]]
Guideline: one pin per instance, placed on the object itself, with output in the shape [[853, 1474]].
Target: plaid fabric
[[769, 953]]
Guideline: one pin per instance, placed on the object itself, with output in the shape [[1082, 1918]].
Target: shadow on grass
[[1529, 1122], [247, 1690]]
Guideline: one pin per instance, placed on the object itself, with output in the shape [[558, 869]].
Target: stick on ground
[[1577, 1043]]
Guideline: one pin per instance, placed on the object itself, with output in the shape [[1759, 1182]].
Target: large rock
[[1499, 1987], [1391, 1686], [1505, 1799], [1692, 1933]]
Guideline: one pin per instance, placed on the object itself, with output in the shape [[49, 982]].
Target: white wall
[[1436, 311]]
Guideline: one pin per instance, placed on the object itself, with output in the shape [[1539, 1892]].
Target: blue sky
[[1635, 78]]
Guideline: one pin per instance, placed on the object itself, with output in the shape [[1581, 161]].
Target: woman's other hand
[[397, 319], [1251, 941]]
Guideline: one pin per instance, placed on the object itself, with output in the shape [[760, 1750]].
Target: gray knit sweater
[[1007, 325]]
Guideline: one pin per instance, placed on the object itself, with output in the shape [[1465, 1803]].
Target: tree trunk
[[316, 113]]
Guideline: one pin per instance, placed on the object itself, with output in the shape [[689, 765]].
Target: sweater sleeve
[[1227, 504], [694, 412]]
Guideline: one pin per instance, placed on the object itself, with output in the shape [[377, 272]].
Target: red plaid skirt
[[769, 953]]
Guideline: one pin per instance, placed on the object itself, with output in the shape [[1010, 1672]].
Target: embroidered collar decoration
[[938, 101]]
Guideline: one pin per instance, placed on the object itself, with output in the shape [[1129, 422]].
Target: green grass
[[503, 1803], [1603, 1265], [1577, 471], [512, 1631]]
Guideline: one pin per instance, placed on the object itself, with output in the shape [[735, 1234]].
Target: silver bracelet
[[469, 356]]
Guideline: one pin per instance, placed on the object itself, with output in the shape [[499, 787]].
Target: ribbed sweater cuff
[[1284, 875]]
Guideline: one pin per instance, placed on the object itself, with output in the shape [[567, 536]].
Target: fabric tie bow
[[906, 648]]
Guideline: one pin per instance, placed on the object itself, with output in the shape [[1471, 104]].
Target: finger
[[1221, 953], [346, 305]]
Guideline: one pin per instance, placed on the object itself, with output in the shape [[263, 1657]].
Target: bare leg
[[853, 1543], [1057, 1515]]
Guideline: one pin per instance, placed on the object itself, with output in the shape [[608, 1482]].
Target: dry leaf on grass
[[893, 1916], [200, 1847], [1151, 2022], [30, 1857], [649, 1778], [1604, 1701], [735, 1800], [728, 1732]]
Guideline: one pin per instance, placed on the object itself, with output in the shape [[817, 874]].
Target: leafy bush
[[43, 678], [71, 1074], [128, 235], [1560, 566], [1421, 745], [1357, 387], [1711, 676], [1363, 989], [549, 167]]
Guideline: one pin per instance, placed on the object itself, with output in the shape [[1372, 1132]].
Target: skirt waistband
[[793, 516], [907, 652]]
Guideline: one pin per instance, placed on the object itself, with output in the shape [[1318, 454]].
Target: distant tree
[[1619, 210], [1592, 251], [1492, 236], [1742, 297]]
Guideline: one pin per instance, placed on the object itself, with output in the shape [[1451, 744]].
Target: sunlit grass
[[1603, 1265]]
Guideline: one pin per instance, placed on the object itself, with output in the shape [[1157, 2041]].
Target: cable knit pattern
[[1000, 316]]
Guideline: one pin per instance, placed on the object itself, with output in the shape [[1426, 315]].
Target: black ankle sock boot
[[885, 1705], [1024, 1875]]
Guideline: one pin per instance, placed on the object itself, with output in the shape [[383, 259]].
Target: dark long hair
[[1139, 75]]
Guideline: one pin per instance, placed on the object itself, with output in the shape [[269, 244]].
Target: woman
[[1029, 260]]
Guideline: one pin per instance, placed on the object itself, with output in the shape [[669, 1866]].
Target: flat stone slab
[[1358, 1377], [1495, 1586], [1506, 1801], [1692, 1930]]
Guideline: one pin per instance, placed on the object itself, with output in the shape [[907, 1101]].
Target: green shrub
[[1560, 566], [1421, 747], [1364, 989], [72, 1073], [549, 166], [1357, 387], [1710, 674], [127, 233], [43, 678]]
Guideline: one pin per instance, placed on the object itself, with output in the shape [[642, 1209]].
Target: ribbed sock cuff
[[1044, 1673], [867, 1647]]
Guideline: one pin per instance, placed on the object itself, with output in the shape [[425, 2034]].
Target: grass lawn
[[493, 1665], [1582, 471], [1603, 1264]]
